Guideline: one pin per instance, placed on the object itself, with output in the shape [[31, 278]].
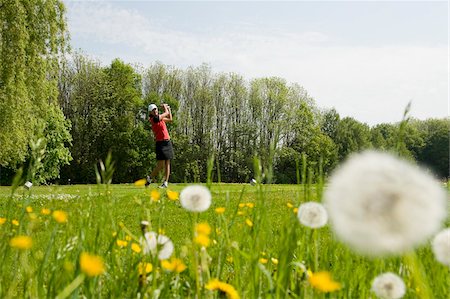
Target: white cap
[[151, 107]]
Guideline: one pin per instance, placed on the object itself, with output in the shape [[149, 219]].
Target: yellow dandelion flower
[[289, 205], [323, 282], [240, 213], [136, 248], [161, 231], [263, 260], [145, 268], [263, 253], [29, 209], [295, 210], [202, 240], [241, 205], [140, 182], [92, 265], [274, 260], [121, 243], [32, 216], [114, 234], [60, 216], [220, 210], [229, 259], [250, 205], [121, 224], [172, 195], [248, 222], [174, 265], [222, 287], [21, 242], [2, 220], [15, 222], [203, 228], [45, 211], [155, 195], [127, 238]]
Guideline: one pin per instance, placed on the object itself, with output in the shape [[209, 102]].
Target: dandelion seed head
[[379, 204], [388, 286], [195, 198], [441, 247], [157, 244], [312, 214]]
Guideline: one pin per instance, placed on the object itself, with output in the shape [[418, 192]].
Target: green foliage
[[351, 136], [268, 259], [32, 40], [434, 152]]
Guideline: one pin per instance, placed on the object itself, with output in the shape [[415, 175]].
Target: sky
[[366, 59]]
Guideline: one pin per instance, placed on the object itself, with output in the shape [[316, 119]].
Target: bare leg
[[167, 170], [159, 166]]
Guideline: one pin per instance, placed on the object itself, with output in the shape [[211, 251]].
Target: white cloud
[[372, 84]]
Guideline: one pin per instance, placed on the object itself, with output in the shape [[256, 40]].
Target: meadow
[[86, 241]]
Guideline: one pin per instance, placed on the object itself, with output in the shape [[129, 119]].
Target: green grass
[[98, 216]]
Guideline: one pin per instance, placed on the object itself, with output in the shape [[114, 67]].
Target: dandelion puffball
[[195, 198], [312, 214], [157, 244], [388, 286], [441, 247], [379, 204]]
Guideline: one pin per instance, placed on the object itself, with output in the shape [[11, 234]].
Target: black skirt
[[164, 150]]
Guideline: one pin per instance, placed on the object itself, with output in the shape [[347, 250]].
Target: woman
[[164, 149]]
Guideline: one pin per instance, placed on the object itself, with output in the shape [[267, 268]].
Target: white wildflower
[[157, 244], [441, 246], [388, 286], [380, 204], [195, 198], [312, 214]]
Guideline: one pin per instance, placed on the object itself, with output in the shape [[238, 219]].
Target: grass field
[[256, 246]]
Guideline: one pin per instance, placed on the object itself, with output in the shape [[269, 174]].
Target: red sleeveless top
[[159, 130]]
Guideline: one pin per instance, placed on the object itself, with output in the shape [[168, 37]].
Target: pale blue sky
[[366, 59]]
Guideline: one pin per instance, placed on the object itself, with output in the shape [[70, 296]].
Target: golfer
[[164, 150]]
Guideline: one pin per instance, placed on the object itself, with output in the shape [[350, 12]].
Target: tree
[[351, 136], [435, 153], [32, 42], [104, 109]]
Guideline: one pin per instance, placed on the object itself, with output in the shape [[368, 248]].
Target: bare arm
[[167, 115]]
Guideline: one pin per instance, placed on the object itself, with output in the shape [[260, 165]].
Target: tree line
[[61, 115]]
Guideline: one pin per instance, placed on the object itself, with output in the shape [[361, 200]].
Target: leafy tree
[[435, 153], [32, 42], [351, 136]]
